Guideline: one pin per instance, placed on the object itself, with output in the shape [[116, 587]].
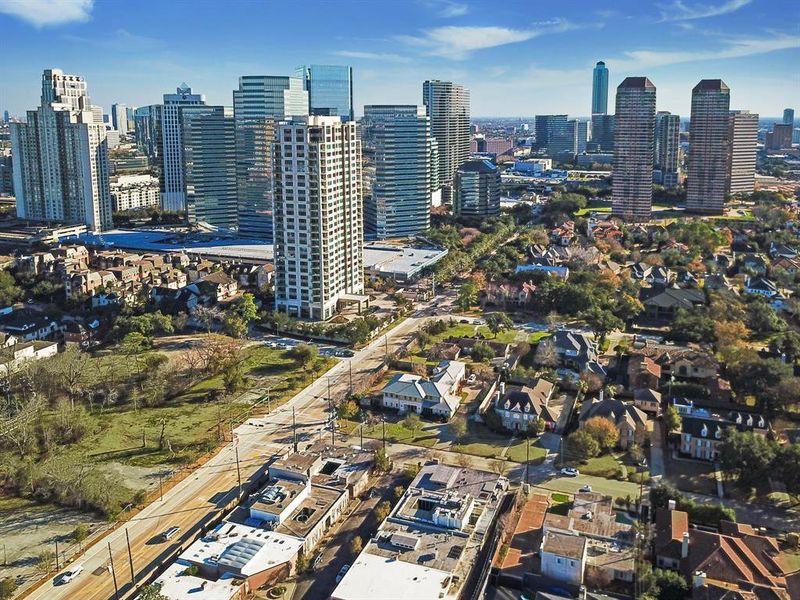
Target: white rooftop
[[373, 576], [394, 259], [176, 586]]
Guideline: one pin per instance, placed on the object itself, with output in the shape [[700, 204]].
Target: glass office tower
[[600, 89], [330, 90]]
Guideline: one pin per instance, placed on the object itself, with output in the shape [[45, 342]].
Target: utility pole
[[57, 567], [294, 430], [113, 572], [160, 487], [238, 471], [130, 557], [527, 455], [383, 420], [386, 345], [350, 364]]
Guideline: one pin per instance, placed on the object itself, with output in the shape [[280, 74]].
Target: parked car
[[472, 378], [342, 573], [70, 574], [569, 472], [585, 488], [170, 533]]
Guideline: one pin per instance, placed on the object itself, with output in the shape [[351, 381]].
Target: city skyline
[[512, 64]]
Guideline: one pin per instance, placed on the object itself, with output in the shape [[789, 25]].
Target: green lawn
[[538, 336], [517, 452], [790, 561], [606, 465]]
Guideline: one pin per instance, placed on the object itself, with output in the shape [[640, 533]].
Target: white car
[[472, 378], [585, 488], [70, 574], [570, 472], [342, 573]]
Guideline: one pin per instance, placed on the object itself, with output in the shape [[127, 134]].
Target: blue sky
[[517, 57]]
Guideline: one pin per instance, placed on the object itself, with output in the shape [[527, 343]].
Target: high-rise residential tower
[[666, 164], [318, 216], [600, 89], [209, 165], [788, 116], [60, 157], [119, 118], [780, 138], [477, 189], [447, 105], [707, 182], [632, 191], [258, 104], [173, 196], [330, 90], [743, 136], [403, 156]]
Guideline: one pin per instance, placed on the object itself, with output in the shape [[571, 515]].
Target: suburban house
[[564, 557], [693, 364], [434, 396], [564, 234], [755, 263], [28, 325], [777, 250], [575, 350], [662, 304], [702, 431], [216, 286], [13, 357], [648, 400], [643, 372], [630, 420], [760, 286], [517, 406]]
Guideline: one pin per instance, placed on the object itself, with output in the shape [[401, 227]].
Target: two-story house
[[517, 406], [630, 420], [436, 396]]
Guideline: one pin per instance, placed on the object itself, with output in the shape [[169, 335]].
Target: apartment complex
[[743, 136], [318, 216], [129, 192], [666, 159], [258, 104], [634, 143], [60, 157], [403, 170], [707, 185], [447, 105], [477, 189]]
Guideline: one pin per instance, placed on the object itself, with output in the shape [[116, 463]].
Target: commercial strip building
[[60, 157], [398, 262], [428, 546]]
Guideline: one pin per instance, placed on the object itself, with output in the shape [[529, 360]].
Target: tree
[[628, 307], [788, 463], [45, 561], [581, 446], [664, 584], [207, 316], [546, 354], [536, 427], [382, 463], [9, 292], [458, 426], [603, 430], [671, 419], [481, 352], [412, 422], [153, 591], [746, 454], [382, 511], [69, 369], [423, 338], [693, 325], [762, 318], [788, 344], [356, 545], [498, 321], [305, 354], [235, 326], [603, 322], [245, 308], [80, 533], [233, 378], [7, 588], [468, 295]]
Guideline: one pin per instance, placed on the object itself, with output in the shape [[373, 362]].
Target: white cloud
[[381, 56], [451, 9], [736, 48], [42, 13], [681, 11], [458, 42]]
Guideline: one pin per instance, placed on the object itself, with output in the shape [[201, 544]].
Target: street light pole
[[113, 572]]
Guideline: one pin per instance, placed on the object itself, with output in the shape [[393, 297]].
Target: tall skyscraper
[[555, 134], [788, 116], [582, 134], [330, 90], [666, 163], [260, 101], [477, 189], [209, 165], [602, 133], [119, 118], [318, 216], [743, 136], [600, 89], [147, 131], [707, 182], [173, 195], [447, 105], [60, 157], [632, 191], [402, 154]]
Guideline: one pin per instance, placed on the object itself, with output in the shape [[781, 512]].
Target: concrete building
[[60, 157], [260, 102], [780, 138], [318, 217], [709, 141], [404, 173], [666, 159], [476, 189], [209, 165], [743, 136], [119, 118], [600, 89], [634, 142], [447, 105], [173, 191], [134, 191], [330, 90]]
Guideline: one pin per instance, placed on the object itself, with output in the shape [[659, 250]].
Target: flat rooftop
[[175, 585], [309, 512], [398, 260], [372, 576], [276, 495], [481, 485]]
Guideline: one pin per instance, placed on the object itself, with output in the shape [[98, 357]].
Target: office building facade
[[209, 165], [743, 136], [447, 106], [600, 89], [402, 154], [666, 158], [173, 192], [60, 157], [330, 90], [147, 132], [602, 139], [477, 189], [780, 138], [260, 101], [788, 116], [119, 118], [709, 141], [318, 216], [634, 143]]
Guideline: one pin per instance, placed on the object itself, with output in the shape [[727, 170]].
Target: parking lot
[[287, 343]]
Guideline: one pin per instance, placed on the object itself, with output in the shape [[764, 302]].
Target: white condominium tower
[[60, 157], [173, 195], [448, 108], [743, 134], [666, 159], [318, 216]]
